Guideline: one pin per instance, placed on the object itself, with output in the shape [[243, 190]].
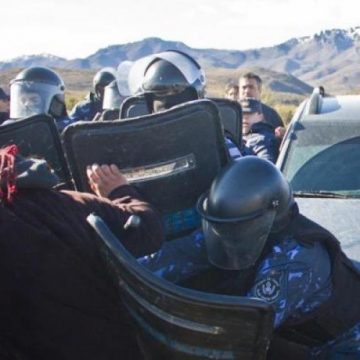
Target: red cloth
[[7, 172]]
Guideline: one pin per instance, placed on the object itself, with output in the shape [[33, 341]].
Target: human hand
[[280, 132], [103, 179]]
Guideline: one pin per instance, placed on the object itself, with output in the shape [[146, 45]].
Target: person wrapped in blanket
[[56, 297]]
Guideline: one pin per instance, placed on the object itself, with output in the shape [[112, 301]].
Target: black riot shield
[[133, 106], [38, 136], [172, 156], [179, 323], [109, 115], [231, 117], [230, 113]]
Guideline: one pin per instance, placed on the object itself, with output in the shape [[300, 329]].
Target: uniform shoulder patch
[[268, 289]]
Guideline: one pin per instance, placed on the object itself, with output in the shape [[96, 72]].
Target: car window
[[318, 162]]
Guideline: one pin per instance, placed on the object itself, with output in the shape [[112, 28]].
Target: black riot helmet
[[171, 78], [101, 79], [37, 90], [249, 199]]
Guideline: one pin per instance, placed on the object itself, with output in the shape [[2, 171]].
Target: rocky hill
[[329, 58]]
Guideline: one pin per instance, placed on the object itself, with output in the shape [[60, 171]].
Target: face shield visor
[[30, 98], [171, 73], [235, 243], [122, 77], [163, 79], [189, 68], [112, 98], [136, 71]]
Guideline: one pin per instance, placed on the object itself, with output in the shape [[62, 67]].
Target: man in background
[[250, 86]]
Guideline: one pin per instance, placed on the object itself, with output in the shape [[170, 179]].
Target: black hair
[[250, 75]]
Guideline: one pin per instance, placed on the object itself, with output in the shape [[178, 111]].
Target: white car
[[320, 157]]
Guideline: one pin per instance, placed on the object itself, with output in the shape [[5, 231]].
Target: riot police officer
[[168, 79], [111, 103], [38, 90], [255, 243], [93, 104], [172, 78]]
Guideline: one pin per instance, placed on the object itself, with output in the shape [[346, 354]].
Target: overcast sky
[[78, 28]]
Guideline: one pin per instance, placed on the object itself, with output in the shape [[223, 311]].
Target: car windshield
[[324, 159]]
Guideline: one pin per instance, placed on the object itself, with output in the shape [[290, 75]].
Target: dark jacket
[[271, 116], [3, 116], [86, 109], [261, 142], [57, 299]]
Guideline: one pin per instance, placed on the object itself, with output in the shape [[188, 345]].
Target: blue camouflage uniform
[[261, 141], [294, 278], [86, 109], [346, 346], [271, 116], [63, 122]]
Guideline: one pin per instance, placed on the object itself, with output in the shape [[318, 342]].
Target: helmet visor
[[136, 74], [30, 98], [237, 245], [162, 78], [122, 77], [112, 98], [190, 69]]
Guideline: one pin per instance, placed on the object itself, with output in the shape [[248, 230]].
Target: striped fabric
[[233, 149]]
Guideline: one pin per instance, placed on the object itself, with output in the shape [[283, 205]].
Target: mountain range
[[330, 58]]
